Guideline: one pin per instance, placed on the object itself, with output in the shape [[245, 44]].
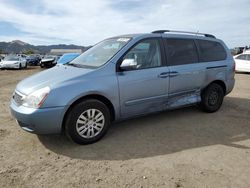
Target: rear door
[[186, 74], [145, 88]]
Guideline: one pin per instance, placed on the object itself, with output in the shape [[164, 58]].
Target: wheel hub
[[90, 123], [213, 98]]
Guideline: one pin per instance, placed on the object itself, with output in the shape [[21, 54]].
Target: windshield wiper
[[80, 65], [74, 65]]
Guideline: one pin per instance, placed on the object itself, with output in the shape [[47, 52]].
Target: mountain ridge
[[18, 46]]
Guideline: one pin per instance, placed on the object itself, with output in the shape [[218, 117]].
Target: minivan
[[124, 77]]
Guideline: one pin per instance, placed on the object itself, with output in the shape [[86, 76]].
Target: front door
[[144, 89]]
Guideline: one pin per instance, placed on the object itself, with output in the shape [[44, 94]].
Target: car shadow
[[164, 133], [22, 69], [240, 72]]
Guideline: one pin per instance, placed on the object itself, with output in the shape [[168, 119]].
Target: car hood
[[51, 78], [9, 62]]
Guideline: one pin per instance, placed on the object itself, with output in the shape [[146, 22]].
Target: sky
[[86, 22]]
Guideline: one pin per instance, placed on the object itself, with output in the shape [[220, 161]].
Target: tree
[[28, 52]]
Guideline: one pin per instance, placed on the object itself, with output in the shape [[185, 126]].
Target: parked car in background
[[123, 77], [66, 58], [15, 62], [237, 50], [33, 60], [21, 55], [48, 61], [247, 51], [242, 62]]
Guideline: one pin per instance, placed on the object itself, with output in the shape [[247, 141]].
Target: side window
[[146, 54], [242, 57], [181, 51], [211, 51]]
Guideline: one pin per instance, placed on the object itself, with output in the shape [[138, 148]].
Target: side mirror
[[128, 64]]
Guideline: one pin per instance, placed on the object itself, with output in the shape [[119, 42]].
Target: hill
[[18, 46]]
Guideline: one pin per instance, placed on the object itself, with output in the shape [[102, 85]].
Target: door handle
[[173, 74], [163, 75]]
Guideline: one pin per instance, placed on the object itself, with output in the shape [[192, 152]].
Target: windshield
[[101, 53], [11, 58]]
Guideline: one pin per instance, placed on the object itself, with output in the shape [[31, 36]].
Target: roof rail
[[187, 32]]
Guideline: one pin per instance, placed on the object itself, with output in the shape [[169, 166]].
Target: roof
[[63, 51], [75, 53]]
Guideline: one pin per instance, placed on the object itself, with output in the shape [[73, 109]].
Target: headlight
[[37, 98]]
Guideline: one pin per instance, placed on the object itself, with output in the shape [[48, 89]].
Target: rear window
[[211, 51], [181, 51]]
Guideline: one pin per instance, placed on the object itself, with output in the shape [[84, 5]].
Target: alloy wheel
[[90, 123]]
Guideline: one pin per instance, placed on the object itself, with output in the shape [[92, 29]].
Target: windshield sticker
[[123, 39]]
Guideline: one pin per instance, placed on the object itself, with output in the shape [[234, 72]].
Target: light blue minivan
[[124, 77]]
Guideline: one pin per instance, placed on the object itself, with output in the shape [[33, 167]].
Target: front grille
[[18, 98]]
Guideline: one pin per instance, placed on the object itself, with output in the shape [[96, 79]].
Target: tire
[[85, 127], [20, 66], [25, 65], [212, 98]]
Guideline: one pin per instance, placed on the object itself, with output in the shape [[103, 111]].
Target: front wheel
[[212, 98], [87, 122], [20, 66]]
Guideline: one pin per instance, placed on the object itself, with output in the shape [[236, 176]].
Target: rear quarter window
[[211, 51]]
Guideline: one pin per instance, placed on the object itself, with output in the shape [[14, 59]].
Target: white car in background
[[14, 62], [242, 62]]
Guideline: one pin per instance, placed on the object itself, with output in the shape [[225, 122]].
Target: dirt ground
[[181, 148]]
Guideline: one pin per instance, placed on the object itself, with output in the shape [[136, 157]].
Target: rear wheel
[[87, 122], [212, 98]]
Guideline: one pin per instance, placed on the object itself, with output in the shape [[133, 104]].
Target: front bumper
[[32, 62], [38, 121], [240, 69], [48, 63], [230, 85], [10, 66]]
